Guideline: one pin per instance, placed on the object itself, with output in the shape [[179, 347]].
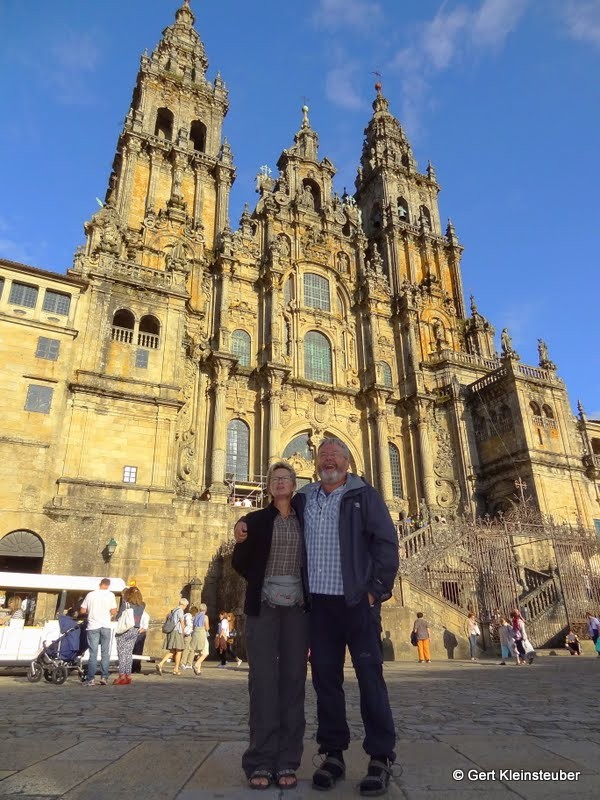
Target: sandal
[[260, 775], [282, 774], [331, 770], [377, 779]]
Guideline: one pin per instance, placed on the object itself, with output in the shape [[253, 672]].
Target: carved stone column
[[425, 451], [383, 454], [199, 177], [222, 330], [156, 160], [222, 205], [130, 158], [220, 368]]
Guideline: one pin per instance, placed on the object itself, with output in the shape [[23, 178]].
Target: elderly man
[[352, 560]]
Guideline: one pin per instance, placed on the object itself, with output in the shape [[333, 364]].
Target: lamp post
[[109, 549]]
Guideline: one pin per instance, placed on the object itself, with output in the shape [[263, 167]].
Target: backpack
[[169, 623]]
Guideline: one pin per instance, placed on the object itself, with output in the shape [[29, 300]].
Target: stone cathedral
[[146, 391]]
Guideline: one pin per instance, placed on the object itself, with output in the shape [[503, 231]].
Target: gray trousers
[[277, 649]]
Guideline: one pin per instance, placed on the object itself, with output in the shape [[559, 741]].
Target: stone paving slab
[[20, 754], [583, 752], [152, 770], [495, 753]]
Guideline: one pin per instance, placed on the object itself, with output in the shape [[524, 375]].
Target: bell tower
[[168, 192]]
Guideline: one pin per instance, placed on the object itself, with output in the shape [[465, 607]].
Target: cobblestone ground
[[57, 741]]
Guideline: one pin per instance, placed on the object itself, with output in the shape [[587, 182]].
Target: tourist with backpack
[[173, 627]]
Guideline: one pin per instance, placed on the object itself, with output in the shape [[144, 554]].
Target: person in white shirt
[[100, 607]]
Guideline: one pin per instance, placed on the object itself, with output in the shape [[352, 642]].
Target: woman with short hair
[[174, 643], [270, 558]]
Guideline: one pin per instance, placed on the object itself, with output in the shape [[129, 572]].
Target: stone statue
[[438, 334], [506, 342], [308, 201], [545, 362], [342, 262]]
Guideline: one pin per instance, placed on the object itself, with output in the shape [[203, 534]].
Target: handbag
[[413, 638], [126, 621]]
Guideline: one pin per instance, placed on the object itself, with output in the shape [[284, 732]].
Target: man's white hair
[[333, 440]]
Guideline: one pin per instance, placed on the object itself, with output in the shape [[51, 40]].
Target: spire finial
[[305, 120]]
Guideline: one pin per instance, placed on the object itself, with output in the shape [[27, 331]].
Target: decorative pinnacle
[[305, 121], [580, 407]]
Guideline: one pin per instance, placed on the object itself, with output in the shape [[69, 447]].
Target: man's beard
[[331, 476]]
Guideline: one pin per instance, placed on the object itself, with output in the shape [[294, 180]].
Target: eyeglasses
[[281, 478]]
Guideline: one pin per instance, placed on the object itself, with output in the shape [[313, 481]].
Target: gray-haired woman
[[174, 642], [270, 558]]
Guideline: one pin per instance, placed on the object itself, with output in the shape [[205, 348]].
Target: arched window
[[198, 135], [385, 374], [317, 358], [149, 332], [240, 347], [535, 409], [299, 446], [426, 217], [122, 326], [164, 124], [395, 470], [238, 450], [316, 292], [548, 413], [403, 213]]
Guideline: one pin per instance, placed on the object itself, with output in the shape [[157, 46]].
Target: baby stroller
[[63, 654]]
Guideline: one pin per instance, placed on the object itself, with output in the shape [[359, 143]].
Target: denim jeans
[[100, 636]]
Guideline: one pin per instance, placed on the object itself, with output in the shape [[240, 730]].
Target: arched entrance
[[21, 551]]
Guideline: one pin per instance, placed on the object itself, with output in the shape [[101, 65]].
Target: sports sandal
[[331, 770], [377, 779], [260, 775], [290, 783]]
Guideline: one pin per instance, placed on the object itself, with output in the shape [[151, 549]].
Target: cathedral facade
[[147, 391]]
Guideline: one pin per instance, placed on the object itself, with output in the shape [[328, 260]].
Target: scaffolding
[[246, 493]]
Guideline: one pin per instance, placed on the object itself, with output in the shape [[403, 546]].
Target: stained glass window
[[395, 470], [317, 358], [316, 292], [386, 374], [238, 449], [240, 347]]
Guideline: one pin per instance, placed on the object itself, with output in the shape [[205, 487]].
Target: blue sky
[[501, 95]]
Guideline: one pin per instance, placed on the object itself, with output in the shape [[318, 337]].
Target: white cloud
[[583, 20], [358, 14], [450, 35], [493, 22], [340, 87], [10, 248]]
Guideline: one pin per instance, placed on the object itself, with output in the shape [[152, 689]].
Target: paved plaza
[[182, 737]]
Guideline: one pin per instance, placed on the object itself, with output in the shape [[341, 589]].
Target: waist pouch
[[283, 590]]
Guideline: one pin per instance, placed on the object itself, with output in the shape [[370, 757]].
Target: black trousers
[[277, 646], [333, 627], [138, 650]]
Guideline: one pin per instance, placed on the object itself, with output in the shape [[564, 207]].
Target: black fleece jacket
[[250, 557]]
